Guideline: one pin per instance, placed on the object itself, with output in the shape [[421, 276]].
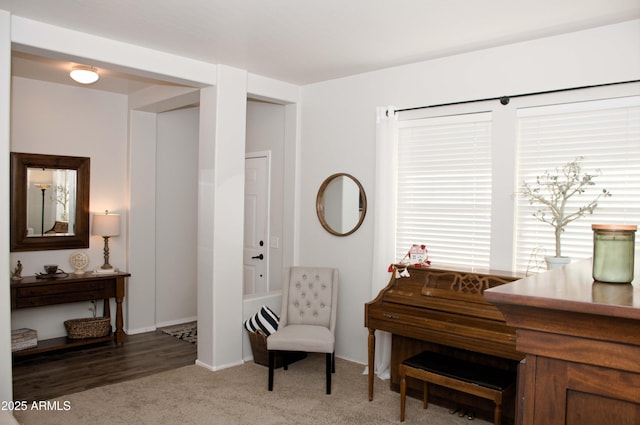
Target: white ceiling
[[306, 41]]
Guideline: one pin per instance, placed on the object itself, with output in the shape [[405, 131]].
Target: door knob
[[259, 257]]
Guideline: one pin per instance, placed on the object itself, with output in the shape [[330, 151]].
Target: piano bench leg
[[425, 394], [403, 393], [497, 414]]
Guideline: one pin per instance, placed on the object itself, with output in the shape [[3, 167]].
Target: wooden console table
[[33, 292], [582, 344]]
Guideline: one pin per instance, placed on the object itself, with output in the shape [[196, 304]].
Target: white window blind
[[444, 188], [606, 133]]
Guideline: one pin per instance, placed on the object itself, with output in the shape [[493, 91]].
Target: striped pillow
[[264, 320]]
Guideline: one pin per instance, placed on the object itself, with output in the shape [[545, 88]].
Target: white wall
[[5, 305], [63, 120], [338, 133], [141, 288], [176, 216], [162, 247]]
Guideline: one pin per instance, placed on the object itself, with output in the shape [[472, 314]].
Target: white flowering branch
[[552, 191]]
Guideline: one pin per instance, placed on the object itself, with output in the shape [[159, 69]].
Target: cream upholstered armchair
[[308, 317]]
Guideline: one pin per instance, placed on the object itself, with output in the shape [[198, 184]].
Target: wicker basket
[[88, 327]]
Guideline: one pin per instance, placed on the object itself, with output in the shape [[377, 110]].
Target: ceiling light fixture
[[84, 74]]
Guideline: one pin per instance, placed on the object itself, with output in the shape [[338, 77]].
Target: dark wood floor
[[44, 376]]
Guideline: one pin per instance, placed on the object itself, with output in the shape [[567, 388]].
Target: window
[[460, 170], [606, 133], [444, 188]]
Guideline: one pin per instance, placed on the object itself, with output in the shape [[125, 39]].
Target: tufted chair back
[[310, 297]]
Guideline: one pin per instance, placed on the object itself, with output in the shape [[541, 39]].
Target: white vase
[[556, 262]]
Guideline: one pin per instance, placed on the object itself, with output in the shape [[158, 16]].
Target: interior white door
[[256, 225]]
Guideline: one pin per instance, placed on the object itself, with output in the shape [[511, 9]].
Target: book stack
[[23, 338]]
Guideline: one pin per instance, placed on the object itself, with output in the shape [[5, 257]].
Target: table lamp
[[106, 225]]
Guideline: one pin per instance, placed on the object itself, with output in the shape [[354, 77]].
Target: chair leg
[[333, 362], [272, 362], [329, 362]]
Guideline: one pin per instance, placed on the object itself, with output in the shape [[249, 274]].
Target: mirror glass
[[341, 204], [51, 199], [49, 202]]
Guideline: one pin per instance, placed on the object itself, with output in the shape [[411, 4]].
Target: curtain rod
[[506, 99]]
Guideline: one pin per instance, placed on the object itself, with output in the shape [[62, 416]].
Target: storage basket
[[259, 348], [23, 338], [258, 342], [88, 327]]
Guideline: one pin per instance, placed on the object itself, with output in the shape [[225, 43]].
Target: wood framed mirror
[[341, 204], [49, 202]]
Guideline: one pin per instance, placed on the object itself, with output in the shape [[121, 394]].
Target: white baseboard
[[176, 322], [228, 365], [215, 368], [140, 330], [161, 325], [204, 365]]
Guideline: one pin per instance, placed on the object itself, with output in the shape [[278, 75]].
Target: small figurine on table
[[17, 272]]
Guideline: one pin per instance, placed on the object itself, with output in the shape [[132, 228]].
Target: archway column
[[221, 219]]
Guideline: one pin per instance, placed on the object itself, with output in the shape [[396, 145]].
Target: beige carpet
[[238, 395]]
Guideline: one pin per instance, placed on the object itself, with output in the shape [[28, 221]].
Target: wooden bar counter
[[581, 341]]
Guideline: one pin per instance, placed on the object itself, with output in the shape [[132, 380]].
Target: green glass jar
[[613, 252]]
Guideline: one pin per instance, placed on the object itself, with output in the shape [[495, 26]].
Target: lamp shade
[[106, 224]]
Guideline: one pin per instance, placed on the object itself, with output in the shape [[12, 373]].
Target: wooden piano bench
[[479, 380]]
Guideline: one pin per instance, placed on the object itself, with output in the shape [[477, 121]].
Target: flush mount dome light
[[84, 74]]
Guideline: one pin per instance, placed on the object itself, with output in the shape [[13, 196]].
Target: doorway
[[266, 138]]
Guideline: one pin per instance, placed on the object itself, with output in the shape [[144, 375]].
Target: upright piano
[[442, 310]]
